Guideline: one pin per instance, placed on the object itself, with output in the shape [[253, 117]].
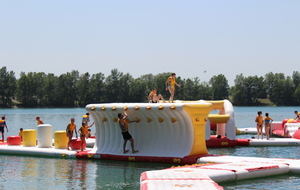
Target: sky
[[193, 38]]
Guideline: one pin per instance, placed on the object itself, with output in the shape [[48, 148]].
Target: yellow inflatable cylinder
[[215, 118], [29, 137], [60, 139]]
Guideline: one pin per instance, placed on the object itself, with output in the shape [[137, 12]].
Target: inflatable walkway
[[220, 169]]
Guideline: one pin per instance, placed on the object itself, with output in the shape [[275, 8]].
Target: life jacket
[[2, 123], [84, 130], [72, 126]]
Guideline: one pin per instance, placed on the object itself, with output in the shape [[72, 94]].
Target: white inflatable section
[[220, 169], [291, 128], [180, 178], [207, 130], [294, 164], [167, 138], [227, 129], [230, 127]]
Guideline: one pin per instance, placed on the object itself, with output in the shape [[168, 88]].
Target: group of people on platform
[[84, 130], [260, 121], [170, 85]]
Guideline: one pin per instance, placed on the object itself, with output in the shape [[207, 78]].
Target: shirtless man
[[123, 123]]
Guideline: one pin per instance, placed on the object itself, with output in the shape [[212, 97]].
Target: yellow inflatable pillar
[[198, 113], [60, 139], [29, 137]]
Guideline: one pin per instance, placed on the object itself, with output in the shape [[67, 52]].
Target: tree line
[[72, 89]]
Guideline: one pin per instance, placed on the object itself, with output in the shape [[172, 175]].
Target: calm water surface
[[43, 173]]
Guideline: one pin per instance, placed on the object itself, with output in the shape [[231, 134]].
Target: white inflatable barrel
[[44, 136]]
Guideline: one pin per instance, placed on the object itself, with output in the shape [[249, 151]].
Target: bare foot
[[135, 151], [125, 151]]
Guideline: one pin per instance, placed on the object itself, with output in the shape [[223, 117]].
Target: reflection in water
[[222, 151], [44, 173], [262, 152], [122, 175]]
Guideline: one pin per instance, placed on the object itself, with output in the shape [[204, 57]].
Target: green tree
[[220, 87], [112, 84], [279, 89], [125, 83], [288, 90], [66, 89], [82, 87], [205, 91], [296, 78], [22, 90], [149, 81], [39, 83], [8, 87], [97, 88], [297, 95], [248, 90], [138, 91], [239, 91], [191, 89], [28, 93], [50, 97]]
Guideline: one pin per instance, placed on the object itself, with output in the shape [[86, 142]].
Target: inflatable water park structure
[[176, 133], [164, 132]]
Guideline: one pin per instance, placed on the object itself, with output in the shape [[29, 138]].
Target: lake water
[[43, 173]]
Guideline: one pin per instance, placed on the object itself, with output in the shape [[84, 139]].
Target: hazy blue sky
[[139, 37]]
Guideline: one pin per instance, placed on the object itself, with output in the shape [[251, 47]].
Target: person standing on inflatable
[[2, 125], [71, 127], [259, 123], [170, 85], [267, 121], [83, 131], [123, 123]]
